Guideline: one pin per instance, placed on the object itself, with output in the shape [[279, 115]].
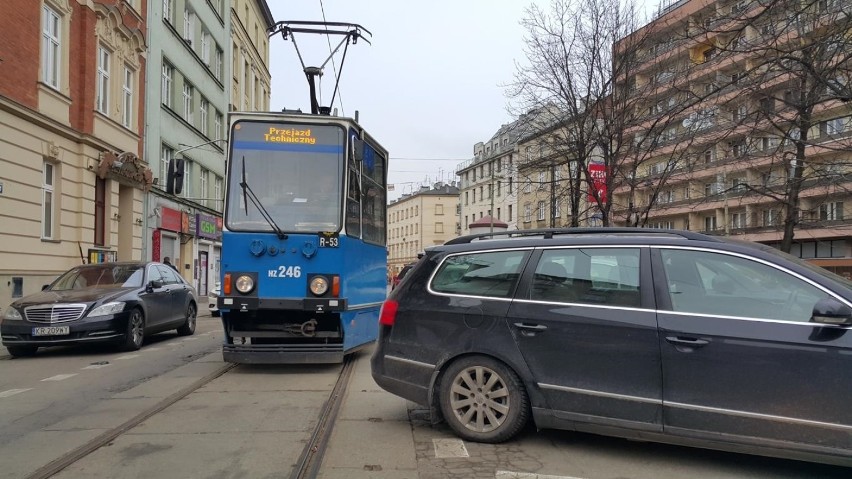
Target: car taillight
[[226, 284], [388, 314]]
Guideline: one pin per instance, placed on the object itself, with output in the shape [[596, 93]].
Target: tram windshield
[[294, 170]]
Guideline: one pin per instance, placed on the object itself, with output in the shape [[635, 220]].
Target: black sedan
[[108, 302]]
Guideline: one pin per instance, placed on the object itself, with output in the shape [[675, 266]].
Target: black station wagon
[[659, 335]]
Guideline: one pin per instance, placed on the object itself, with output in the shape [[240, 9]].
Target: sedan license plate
[[51, 331]]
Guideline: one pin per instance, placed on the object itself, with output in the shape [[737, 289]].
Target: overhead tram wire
[[333, 66]]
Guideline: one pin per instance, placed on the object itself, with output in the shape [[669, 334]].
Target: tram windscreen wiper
[[248, 193]]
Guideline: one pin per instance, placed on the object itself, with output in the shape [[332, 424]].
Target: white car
[[212, 298]]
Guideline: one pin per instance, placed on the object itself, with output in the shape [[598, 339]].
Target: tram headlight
[[319, 285], [244, 284]]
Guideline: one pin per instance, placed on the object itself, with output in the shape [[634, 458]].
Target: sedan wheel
[[483, 400], [188, 327], [135, 331]]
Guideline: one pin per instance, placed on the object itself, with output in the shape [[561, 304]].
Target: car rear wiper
[[248, 193]]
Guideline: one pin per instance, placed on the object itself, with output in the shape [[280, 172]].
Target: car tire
[[492, 415], [135, 331], [22, 351], [188, 327], [215, 314]]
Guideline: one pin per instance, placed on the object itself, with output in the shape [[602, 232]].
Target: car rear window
[[492, 273]]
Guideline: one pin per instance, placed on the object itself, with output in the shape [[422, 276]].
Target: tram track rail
[[57, 465], [310, 460]]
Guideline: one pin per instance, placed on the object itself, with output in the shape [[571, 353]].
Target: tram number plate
[[51, 331], [329, 240]]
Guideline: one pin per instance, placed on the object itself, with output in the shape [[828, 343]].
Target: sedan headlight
[[244, 284], [107, 309], [319, 285], [12, 314]]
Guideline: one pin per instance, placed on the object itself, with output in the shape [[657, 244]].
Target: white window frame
[[166, 154], [217, 67], [48, 200], [831, 211], [167, 82], [51, 55], [527, 212], [188, 93], [205, 47], [127, 98], [205, 105], [203, 178], [188, 25], [217, 192], [187, 166], [542, 179], [218, 126], [102, 97], [541, 214], [167, 10]]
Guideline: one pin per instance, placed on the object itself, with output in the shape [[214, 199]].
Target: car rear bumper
[[406, 380], [102, 329]]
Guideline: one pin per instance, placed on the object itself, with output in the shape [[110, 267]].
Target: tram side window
[[373, 196], [353, 205]]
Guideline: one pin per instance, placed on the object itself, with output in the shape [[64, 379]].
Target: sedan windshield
[[100, 276]]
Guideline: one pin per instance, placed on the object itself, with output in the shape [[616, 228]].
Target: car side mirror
[[152, 285], [831, 311]]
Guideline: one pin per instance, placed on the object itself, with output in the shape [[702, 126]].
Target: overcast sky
[[428, 87]]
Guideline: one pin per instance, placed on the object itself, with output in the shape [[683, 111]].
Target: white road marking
[[95, 366], [59, 377], [189, 339], [151, 349], [12, 392], [528, 475], [128, 356], [449, 448]]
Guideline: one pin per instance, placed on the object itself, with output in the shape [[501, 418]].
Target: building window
[[47, 191], [102, 100], [217, 192], [187, 168], [167, 10], [218, 126], [466, 198], [203, 179], [831, 211], [709, 223], [510, 213], [127, 98], [168, 74], [511, 185], [205, 48], [217, 67], [100, 212], [541, 180], [188, 93], [188, 20], [738, 220], [770, 217], [205, 106], [541, 213], [17, 287], [439, 210], [527, 186], [439, 228], [51, 58], [165, 157], [527, 212]]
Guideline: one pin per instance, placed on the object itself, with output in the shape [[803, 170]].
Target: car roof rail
[[548, 233]]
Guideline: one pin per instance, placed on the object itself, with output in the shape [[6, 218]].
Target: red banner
[[170, 219], [155, 245], [597, 188]]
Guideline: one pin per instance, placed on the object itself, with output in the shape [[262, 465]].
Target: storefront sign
[[206, 227], [597, 192], [170, 219], [101, 256]]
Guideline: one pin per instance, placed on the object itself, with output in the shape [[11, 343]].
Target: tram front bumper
[[283, 353], [317, 305]]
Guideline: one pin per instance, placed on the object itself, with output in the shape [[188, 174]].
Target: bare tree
[[786, 91], [583, 56]]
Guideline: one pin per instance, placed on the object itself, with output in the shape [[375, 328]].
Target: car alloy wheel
[[135, 330], [188, 327], [483, 400]]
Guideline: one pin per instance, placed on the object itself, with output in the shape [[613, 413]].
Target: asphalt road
[[254, 421]]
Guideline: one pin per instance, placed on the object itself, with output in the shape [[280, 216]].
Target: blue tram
[[303, 265]]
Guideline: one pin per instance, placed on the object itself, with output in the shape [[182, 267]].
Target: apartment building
[[210, 57], [251, 82], [72, 172], [489, 181], [426, 217], [726, 163]]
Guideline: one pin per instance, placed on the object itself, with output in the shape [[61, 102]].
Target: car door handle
[[531, 327], [679, 340]]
